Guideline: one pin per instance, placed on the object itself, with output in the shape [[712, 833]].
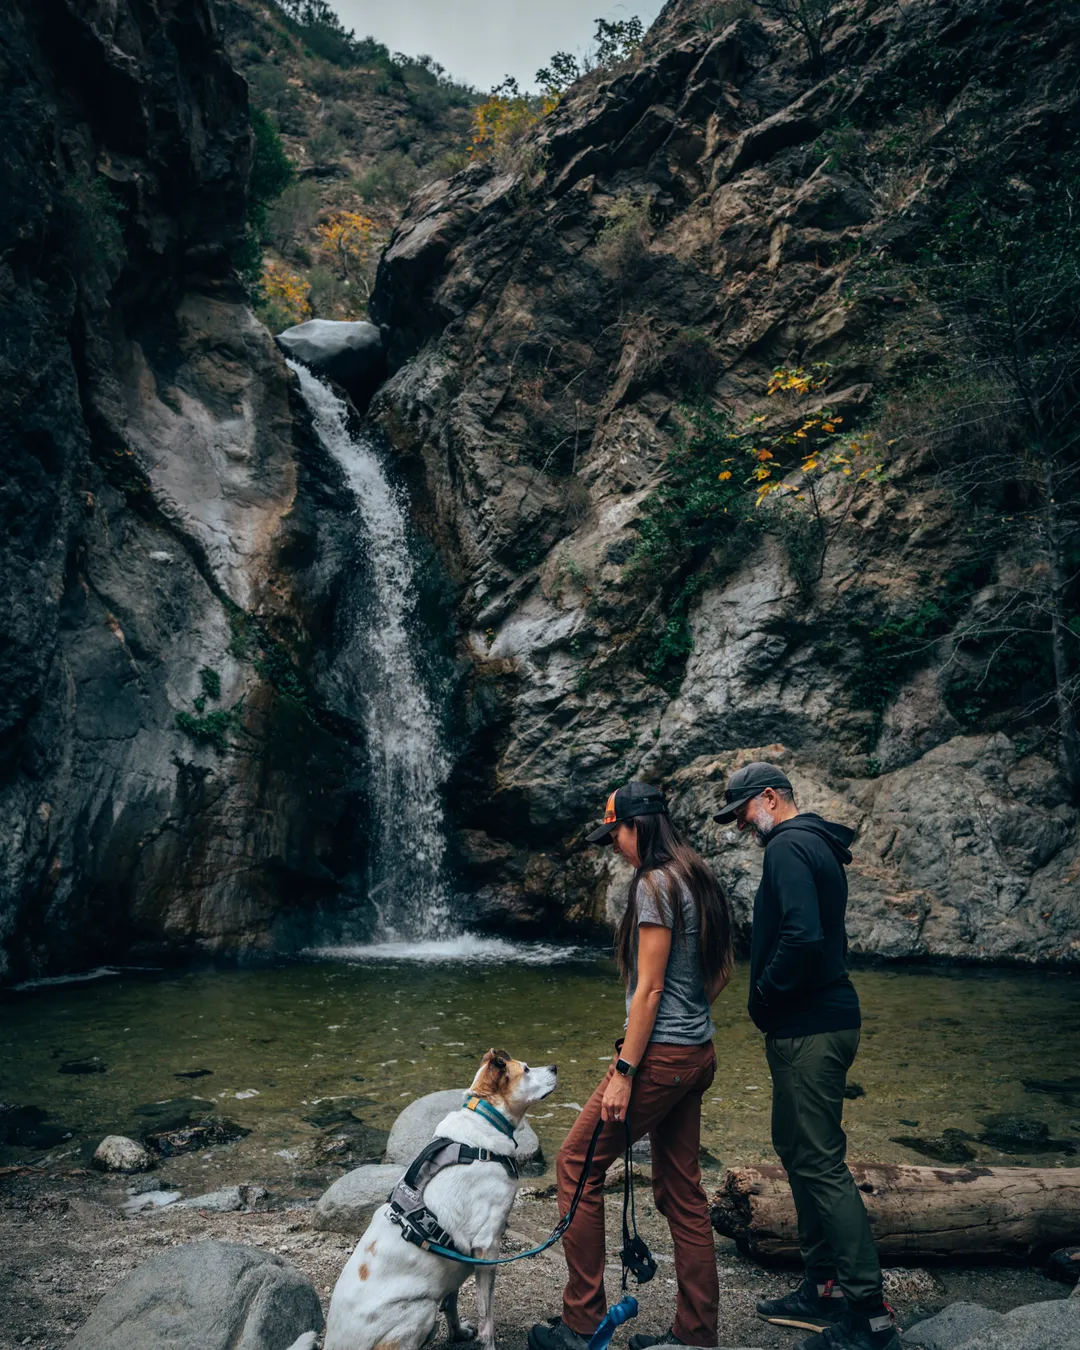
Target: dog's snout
[[553, 1068]]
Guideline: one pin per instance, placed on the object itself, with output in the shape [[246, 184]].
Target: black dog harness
[[407, 1209]]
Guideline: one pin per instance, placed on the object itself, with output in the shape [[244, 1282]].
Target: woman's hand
[[616, 1098]]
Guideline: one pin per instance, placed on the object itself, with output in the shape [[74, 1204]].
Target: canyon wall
[[672, 238], [178, 773]]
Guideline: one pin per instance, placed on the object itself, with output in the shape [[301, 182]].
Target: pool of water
[[375, 1027]]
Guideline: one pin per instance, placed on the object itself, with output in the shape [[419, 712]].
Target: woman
[[674, 951]]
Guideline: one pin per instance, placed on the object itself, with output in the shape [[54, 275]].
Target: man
[[802, 998]]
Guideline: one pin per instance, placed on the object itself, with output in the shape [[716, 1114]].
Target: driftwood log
[[917, 1214]]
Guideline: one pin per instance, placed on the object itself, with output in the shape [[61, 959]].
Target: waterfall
[[409, 764]]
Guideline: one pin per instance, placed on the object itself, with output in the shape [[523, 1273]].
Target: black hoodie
[[798, 979]]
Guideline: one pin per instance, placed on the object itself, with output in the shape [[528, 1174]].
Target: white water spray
[[408, 762]]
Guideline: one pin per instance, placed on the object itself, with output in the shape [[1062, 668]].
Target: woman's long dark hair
[[661, 847]]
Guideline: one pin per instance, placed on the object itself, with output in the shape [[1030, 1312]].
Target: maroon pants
[[665, 1104]]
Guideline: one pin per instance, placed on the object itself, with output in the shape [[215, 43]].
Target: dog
[[390, 1293]]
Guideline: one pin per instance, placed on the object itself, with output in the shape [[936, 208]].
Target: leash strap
[[636, 1258]]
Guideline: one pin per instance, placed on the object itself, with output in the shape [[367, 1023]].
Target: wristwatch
[[625, 1068]]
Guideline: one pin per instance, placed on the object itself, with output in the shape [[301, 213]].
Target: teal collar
[[493, 1117]]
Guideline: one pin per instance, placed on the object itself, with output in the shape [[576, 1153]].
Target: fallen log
[[917, 1214]]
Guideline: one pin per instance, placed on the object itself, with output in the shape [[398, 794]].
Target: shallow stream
[[942, 1049]]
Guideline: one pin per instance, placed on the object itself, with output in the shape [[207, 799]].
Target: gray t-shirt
[[683, 1016]]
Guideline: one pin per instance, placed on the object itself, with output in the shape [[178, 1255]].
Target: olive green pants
[[808, 1076]]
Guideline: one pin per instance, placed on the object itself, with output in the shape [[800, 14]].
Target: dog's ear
[[493, 1072]]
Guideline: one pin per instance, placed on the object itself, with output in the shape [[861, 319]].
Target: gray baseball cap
[[745, 784]]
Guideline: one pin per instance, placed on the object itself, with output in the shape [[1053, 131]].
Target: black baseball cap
[[635, 799], [746, 783]]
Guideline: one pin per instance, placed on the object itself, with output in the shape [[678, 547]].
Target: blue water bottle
[[618, 1314]]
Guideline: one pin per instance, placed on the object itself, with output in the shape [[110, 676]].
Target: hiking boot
[[641, 1340], [554, 1334], [812, 1306], [856, 1331]]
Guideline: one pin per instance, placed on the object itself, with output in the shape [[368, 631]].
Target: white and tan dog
[[390, 1293]]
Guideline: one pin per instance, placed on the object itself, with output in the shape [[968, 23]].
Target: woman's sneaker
[[856, 1331], [554, 1334], [643, 1340], [812, 1306]]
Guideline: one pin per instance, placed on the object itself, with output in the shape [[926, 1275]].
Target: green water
[[943, 1048]]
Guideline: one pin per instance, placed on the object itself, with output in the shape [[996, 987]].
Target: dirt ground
[[64, 1242]]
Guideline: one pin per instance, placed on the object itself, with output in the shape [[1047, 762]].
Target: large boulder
[[415, 1127], [1054, 1325], [117, 1153], [351, 354], [207, 1296], [350, 1202]]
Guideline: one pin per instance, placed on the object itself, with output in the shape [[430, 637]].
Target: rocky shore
[[72, 1235]]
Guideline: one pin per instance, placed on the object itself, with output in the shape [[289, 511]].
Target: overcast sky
[[481, 41]]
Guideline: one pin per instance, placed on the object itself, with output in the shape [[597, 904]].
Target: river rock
[[350, 354], [350, 1202], [116, 1153], [150, 1200], [226, 1201], [206, 1296], [1054, 1325], [415, 1127]]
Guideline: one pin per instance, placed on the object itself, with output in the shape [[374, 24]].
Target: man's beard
[[760, 832]]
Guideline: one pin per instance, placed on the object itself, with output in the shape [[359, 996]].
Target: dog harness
[[407, 1209]]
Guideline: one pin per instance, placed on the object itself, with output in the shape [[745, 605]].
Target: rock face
[[208, 1296], [672, 235], [116, 1153], [347, 1206], [416, 1125], [182, 765], [351, 354]]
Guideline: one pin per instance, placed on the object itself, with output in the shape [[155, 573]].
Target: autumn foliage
[[347, 237]]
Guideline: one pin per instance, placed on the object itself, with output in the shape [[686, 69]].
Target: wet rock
[[1064, 1090], [1021, 1134], [949, 1146], [969, 1326], [415, 1127], [183, 1125], [25, 1127], [93, 1065], [228, 1200], [350, 354], [117, 1153], [207, 1296], [1064, 1265], [350, 1202], [192, 1138], [193, 1073]]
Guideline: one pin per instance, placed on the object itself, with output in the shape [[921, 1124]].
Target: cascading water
[[409, 765]]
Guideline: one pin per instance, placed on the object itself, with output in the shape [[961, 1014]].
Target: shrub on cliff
[[271, 173]]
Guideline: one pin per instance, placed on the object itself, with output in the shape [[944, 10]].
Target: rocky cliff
[[177, 773], [680, 243]]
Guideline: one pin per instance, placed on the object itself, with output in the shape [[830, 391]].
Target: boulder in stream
[[350, 1202], [350, 354], [117, 1153], [206, 1296], [415, 1127]]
